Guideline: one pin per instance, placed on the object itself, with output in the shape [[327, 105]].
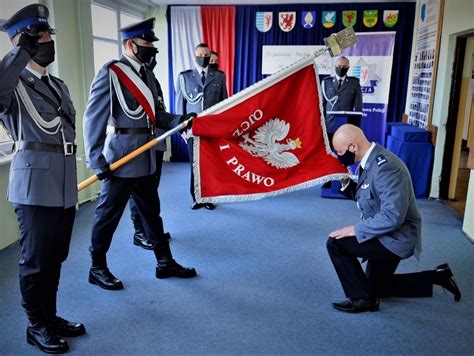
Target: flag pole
[[125, 159], [335, 43]]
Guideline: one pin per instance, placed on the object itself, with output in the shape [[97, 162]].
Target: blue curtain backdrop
[[249, 42]]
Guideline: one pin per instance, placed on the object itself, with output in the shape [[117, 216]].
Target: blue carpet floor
[[265, 285]]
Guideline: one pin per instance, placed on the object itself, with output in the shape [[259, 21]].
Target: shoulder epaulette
[[380, 159], [109, 63], [186, 71]]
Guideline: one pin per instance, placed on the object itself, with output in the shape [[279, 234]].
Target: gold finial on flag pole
[[337, 42]]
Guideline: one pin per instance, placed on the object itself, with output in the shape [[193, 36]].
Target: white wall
[[457, 19]]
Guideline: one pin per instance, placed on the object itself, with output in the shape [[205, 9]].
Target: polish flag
[[264, 141]]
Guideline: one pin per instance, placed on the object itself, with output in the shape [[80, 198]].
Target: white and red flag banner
[[266, 140]]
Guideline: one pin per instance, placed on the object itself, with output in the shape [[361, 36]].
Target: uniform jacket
[[384, 194], [37, 177], [349, 98], [103, 109], [214, 90]]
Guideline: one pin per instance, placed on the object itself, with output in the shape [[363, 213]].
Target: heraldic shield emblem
[[390, 17], [264, 21], [287, 20], [370, 18], [308, 18], [349, 18], [328, 18]]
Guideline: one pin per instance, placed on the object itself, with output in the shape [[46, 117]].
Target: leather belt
[[67, 148], [129, 130]]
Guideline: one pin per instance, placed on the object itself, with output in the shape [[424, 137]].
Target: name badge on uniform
[[365, 186]]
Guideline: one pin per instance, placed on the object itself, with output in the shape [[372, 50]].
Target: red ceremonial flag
[[266, 140]]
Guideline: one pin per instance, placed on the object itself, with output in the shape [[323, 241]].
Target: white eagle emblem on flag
[[265, 144]]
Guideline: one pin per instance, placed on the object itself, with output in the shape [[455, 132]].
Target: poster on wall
[[427, 39], [371, 61]]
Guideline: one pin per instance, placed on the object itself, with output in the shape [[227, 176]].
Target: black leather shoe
[[174, 269], [66, 328], [45, 339], [209, 206], [448, 282], [197, 206], [357, 305], [140, 240], [102, 277]]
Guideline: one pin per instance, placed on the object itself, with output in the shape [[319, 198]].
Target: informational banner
[[275, 58], [371, 61], [425, 64]]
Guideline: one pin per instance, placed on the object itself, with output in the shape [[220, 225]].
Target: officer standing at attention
[[122, 110], [390, 229], [199, 89], [37, 110], [341, 93], [139, 237]]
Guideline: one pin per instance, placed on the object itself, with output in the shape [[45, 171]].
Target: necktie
[[143, 74], [340, 84], [45, 80], [203, 77], [360, 170]]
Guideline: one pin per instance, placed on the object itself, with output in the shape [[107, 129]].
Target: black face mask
[[45, 55], [152, 64], [146, 55], [203, 61], [348, 158], [341, 71], [213, 66]]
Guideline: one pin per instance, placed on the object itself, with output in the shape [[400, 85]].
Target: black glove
[[105, 174], [29, 43], [185, 117]]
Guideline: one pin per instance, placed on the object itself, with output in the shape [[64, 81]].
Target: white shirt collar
[[133, 62], [339, 78], [200, 69], [363, 162], [37, 74]]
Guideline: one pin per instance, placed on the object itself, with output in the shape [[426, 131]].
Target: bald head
[[352, 138]]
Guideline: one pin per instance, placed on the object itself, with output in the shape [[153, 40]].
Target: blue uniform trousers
[[45, 235], [379, 279], [114, 195], [133, 207]]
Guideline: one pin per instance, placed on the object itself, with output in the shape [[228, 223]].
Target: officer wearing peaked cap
[[37, 110], [116, 122], [198, 89]]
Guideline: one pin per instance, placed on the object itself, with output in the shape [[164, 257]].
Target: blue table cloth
[[418, 157]]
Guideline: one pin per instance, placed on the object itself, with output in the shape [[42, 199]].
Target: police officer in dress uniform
[[139, 237], [389, 230], [37, 110], [341, 93], [115, 124], [198, 89]]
